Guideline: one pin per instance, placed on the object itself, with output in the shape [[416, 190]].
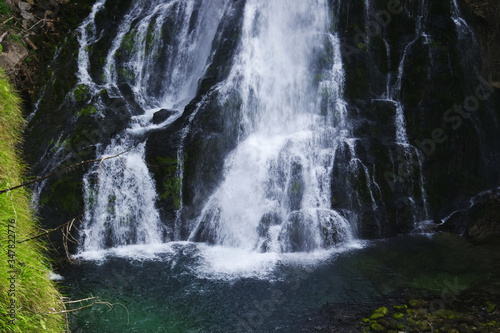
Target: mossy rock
[[87, 111], [81, 93], [379, 313], [376, 327], [398, 315]]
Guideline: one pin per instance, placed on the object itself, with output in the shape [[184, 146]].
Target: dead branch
[[95, 300], [30, 44], [7, 20], [62, 171], [47, 232], [81, 300], [3, 36], [37, 23], [67, 236]]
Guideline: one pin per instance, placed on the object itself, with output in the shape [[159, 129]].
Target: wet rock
[[268, 220], [456, 223], [484, 225], [295, 235], [162, 115], [480, 222]]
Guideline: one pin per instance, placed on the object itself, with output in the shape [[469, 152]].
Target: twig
[[51, 230], [66, 237], [34, 25], [95, 301], [7, 20], [81, 300], [64, 170]]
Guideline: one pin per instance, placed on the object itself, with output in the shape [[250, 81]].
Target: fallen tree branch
[[47, 232], [30, 44], [37, 23], [95, 300], [100, 160]]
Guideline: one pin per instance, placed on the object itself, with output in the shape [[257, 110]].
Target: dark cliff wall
[[485, 18]]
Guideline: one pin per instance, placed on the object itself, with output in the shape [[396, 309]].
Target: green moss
[[377, 327], [128, 41], [379, 313], [297, 187], [87, 111], [490, 307], [418, 303], [68, 194], [81, 93], [16, 38], [400, 307], [124, 72], [398, 315], [172, 183]]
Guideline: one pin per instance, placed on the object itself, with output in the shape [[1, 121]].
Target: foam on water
[[220, 262]]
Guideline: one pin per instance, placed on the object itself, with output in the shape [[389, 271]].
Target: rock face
[[484, 224], [480, 223], [486, 21], [12, 56]]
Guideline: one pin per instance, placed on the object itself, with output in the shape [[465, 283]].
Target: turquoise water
[[182, 290]]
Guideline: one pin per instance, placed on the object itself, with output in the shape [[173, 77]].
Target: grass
[[37, 301], [4, 9]]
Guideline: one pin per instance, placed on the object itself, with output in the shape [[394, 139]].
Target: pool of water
[[189, 287]]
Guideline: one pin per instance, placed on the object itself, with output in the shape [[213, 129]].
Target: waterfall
[[120, 194], [409, 155], [250, 124], [275, 193]]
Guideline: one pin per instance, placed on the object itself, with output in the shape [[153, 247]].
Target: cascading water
[[275, 195], [120, 195], [408, 154], [294, 165]]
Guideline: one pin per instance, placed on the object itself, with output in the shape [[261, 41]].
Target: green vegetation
[[172, 183], [421, 316], [128, 42], [87, 111], [36, 302], [81, 93], [4, 9]]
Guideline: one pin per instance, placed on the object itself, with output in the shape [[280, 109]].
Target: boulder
[[484, 224], [162, 115], [480, 222], [12, 56]]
